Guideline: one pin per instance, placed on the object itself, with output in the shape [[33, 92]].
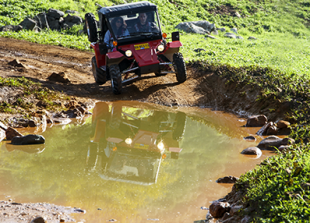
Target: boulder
[[217, 209], [252, 151], [54, 13], [53, 23], [38, 220], [283, 124], [256, 121], [221, 29], [250, 138], [28, 140], [239, 37], [200, 27], [227, 180], [264, 129], [10, 133], [9, 28], [234, 30], [41, 20], [59, 77], [28, 24], [272, 142], [272, 130], [230, 35]]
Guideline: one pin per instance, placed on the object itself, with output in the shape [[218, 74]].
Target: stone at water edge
[[252, 151], [10, 133], [28, 140], [217, 209], [256, 121], [227, 179]]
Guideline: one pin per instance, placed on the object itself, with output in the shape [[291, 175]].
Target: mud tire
[[91, 27], [116, 79], [99, 75], [180, 68]]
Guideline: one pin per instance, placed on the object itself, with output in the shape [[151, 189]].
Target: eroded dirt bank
[[201, 89]]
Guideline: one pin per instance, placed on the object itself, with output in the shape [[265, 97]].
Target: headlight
[[161, 48], [128, 141], [161, 146], [128, 53]]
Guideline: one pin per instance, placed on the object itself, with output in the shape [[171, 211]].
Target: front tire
[[116, 79], [99, 75], [179, 66], [91, 27]]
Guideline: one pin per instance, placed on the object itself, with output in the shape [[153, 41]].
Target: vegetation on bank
[[30, 94], [277, 62]]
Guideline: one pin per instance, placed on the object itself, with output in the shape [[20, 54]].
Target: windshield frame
[[136, 38]]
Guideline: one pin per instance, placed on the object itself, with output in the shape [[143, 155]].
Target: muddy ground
[[40, 61]]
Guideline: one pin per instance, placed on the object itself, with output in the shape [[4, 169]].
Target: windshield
[[136, 168], [137, 24]]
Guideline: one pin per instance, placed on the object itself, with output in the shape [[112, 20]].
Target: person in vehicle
[[119, 29], [143, 25]]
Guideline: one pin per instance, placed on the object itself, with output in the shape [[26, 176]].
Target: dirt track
[[43, 60]]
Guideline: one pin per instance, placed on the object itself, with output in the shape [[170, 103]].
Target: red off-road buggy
[[139, 52]]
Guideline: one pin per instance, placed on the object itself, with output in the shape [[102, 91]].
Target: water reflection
[[132, 160], [128, 144]]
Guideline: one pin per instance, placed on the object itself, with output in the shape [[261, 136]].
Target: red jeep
[[141, 47]]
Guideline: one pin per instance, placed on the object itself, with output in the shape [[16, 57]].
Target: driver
[[142, 25], [119, 29]]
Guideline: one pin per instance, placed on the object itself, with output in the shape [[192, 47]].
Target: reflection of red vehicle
[[135, 51], [131, 142]]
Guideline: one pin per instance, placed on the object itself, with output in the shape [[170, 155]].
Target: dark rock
[[28, 24], [272, 130], [227, 179], [252, 38], [272, 142], [16, 63], [250, 138], [59, 77], [41, 20], [199, 50], [230, 35], [217, 209], [283, 124], [33, 123], [11, 28], [10, 133], [256, 121], [79, 210], [28, 140], [53, 23], [252, 151], [38, 220], [263, 130], [54, 13], [200, 27]]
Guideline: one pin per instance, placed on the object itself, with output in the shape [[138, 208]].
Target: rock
[[16, 63], [263, 130], [53, 23], [41, 20], [222, 29], [9, 28], [199, 50], [217, 209], [200, 27], [272, 130], [28, 140], [227, 179], [54, 13], [252, 38], [250, 138], [234, 209], [272, 142], [256, 121], [71, 20], [38, 220], [33, 123], [28, 24], [10, 133], [3, 126], [283, 124], [234, 30], [230, 35], [59, 77], [237, 14], [239, 37], [284, 147], [252, 151]]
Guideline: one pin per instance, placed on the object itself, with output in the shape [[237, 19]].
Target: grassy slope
[[279, 58]]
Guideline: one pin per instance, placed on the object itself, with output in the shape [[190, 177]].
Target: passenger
[[142, 25], [119, 29]]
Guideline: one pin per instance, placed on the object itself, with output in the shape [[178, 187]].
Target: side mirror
[[103, 49], [175, 36]]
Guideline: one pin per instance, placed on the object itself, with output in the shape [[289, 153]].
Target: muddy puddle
[[131, 162]]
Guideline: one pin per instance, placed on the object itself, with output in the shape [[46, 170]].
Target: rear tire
[[91, 27], [116, 79], [99, 75], [179, 66]]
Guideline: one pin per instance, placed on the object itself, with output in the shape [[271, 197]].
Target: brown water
[[132, 162]]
